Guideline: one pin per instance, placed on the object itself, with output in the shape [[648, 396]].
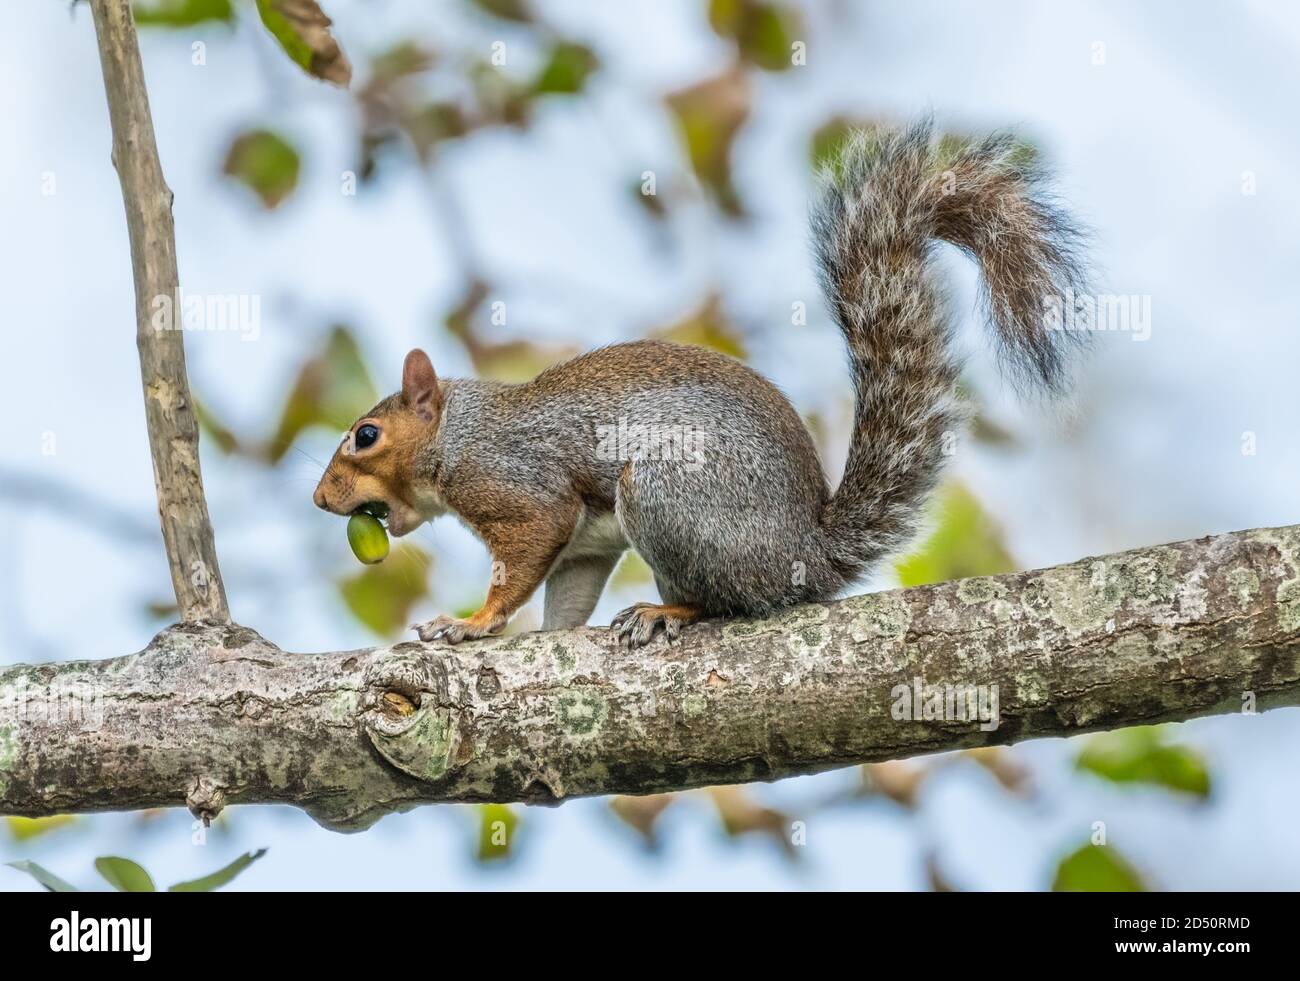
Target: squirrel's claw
[[451, 629], [636, 625]]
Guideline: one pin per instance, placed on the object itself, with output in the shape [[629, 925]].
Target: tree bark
[[169, 410], [212, 714]]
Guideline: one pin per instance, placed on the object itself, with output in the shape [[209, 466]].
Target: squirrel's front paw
[[453, 629]]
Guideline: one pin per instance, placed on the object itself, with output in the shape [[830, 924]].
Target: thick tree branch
[[169, 412], [213, 714]]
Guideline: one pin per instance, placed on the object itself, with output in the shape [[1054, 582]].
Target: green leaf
[[1140, 755], [566, 69], [964, 543], [123, 874], [303, 31], [763, 32], [516, 10], [496, 831], [25, 829], [381, 596], [333, 389], [1096, 868], [183, 13], [221, 877], [42, 875], [632, 570], [266, 163], [212, 427]]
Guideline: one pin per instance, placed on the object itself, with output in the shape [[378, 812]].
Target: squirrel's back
[[660, 399]]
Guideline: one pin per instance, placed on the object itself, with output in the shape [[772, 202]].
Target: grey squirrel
[[700, 463]]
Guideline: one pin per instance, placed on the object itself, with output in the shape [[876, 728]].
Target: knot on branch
[[407, 710], [205, 799]]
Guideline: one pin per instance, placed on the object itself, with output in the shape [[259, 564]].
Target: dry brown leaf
[[303, 30], [742, 815], [1013, 777], [642, 813], [897, 781]]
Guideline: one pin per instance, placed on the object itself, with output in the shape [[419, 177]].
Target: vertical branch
[[169, 411]]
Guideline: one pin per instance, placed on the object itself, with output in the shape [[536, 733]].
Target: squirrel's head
[[382, 464]]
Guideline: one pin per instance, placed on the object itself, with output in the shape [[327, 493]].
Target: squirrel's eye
[[366, 436]]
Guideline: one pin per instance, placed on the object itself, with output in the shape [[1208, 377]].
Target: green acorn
[[368, 538]]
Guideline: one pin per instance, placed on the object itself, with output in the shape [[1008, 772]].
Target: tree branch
[[212, 714], [173, 428]]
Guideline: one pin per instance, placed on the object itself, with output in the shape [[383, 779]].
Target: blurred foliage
[[44, 876], [1141, 755], [300, 27], [25, 829], [397, 101], [220, 877], [333, 388], [516, 10], [183, 13], [381, 596], [742, 815], [497, 825], [264, 162], [161, 609], [125, 875], [213, 429], [1011, 776], [934, 877], [642, 814], [897, 780], [507, 361], [901, 780], [631, 570], [709, 114], [1096, 868], [707, 326], [567, 68], [303, 31], [965, 542], [764, 32]]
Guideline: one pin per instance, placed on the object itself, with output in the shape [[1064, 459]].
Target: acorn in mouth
[[366, 533]]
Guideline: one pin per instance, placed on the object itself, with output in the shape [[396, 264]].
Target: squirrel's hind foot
[[636, 625]]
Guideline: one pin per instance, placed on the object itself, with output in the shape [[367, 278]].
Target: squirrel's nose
[[319, 498]]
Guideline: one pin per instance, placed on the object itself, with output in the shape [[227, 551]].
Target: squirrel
[[731, 509]]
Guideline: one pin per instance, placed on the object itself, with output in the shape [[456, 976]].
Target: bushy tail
[[891, 196]]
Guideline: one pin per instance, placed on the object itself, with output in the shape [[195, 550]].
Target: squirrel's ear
[[420, 385]]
